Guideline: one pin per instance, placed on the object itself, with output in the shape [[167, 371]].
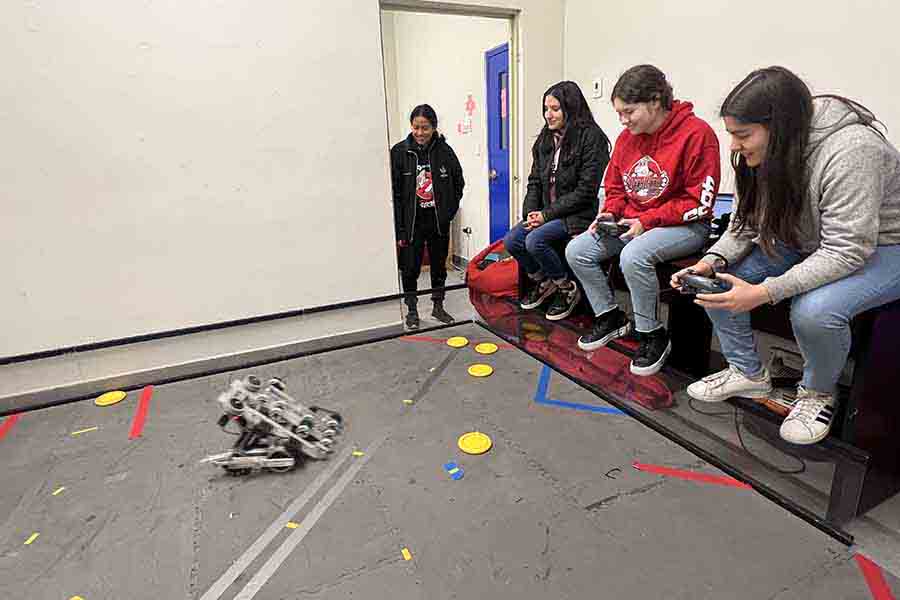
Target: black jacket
[[447, 179], [582, 161]]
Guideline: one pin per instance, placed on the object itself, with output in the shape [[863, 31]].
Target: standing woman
[[817, 221], [428, 184], [569, 157]]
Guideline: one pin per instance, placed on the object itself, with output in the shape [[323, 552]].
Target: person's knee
[[814, 312], [513, 239], [575, 254], [636, 262], [535, 243]]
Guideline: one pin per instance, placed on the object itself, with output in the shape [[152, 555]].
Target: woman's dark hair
[[424, 110], [772, 195], [643, 83], [575, 109]]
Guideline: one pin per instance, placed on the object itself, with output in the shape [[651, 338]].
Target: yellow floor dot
[[457, 342], [110, 398], [292, 525], [480, 370], [486, 348], [407, 555], [474, 442], [358, 453]]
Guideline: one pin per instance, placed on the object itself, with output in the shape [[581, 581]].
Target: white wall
[[439, 60], [172, 164], [707, 46]]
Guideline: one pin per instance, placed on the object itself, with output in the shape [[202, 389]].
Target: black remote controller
[[611, 227], [697, 284]]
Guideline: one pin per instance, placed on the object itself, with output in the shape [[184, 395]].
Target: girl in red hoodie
[[661, 185]]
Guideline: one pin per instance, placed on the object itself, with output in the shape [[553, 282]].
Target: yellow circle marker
[[407, 555], [458, 342], [408, 401], [535, 337], [110, 398], [480, 370], [486, 348], [474, 442], [76, 598], [292, 525], [358, 453]]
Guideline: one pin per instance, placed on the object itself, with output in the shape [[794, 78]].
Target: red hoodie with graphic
[[669, 177]]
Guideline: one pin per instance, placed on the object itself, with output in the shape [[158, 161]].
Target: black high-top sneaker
[[610, 325], [564, 301], [412, 317], [440, 314], [652, 353]]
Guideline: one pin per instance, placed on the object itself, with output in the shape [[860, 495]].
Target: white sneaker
[[728, 383], [810, 419]]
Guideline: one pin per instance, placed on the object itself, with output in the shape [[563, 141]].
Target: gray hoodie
[[853, 204]]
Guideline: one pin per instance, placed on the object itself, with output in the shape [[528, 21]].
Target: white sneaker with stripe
[[810, 419]]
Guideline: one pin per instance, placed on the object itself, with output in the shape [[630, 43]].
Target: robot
[[275, 431]]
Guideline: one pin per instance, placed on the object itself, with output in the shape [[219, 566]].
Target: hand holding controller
[[610, 226], [691, 283]]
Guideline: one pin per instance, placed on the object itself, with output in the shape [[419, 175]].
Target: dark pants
[[411, 263], [534, 251]]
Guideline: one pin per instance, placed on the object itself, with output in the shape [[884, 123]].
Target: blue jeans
[[820, 318], [638, 259], [533, 250]]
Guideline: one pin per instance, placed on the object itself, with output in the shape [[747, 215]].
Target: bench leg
[[691, 333]]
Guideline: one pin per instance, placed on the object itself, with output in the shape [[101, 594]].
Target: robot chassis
[[276, 432]]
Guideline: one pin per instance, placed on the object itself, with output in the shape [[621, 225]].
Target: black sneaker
[[412, 319], [540, 292], [564, 301], [607, 327], [440, 314], [652, 353]]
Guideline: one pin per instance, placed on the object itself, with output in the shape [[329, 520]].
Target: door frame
[[512, 16]]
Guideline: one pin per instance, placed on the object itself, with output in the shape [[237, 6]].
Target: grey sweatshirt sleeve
[[850, 195], [732, 245]]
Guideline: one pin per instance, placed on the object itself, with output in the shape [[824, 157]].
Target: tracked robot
[[274, 431]]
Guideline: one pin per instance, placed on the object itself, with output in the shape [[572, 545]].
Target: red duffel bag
[[494, 273]]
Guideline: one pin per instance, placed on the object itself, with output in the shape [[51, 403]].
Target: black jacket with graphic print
[[447, 179], [582, 161]]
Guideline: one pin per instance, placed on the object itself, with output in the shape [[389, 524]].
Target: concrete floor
[[554, 510]]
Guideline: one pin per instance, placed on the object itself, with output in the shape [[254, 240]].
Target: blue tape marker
[[540, 397], [454, 470], [588, 407]]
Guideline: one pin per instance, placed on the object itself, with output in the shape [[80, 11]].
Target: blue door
[[498, 139]]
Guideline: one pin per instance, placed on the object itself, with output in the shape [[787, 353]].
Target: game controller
[[697, 284], [611, 227]]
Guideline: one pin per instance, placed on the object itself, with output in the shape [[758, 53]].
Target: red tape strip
[[7, 424], [690, 475], [140, 416], [874, 578]]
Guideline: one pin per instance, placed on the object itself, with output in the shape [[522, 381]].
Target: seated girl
[[817, 222], [569, 157], [661, 186]]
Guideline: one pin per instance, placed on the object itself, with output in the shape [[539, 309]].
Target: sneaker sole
[[569, 310], [807, 442], [746, 394], [612, 335], [655, 367], [539, 301]]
